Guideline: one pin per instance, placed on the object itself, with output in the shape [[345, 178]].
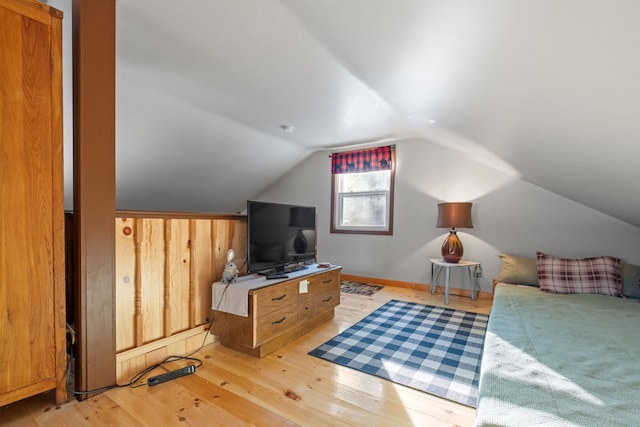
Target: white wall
[[509, 215], [67, 96]]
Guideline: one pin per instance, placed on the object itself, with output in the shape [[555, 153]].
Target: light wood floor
[[286, 388]]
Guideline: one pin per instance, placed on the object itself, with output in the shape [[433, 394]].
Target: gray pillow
[[631, 280], [518, 270]]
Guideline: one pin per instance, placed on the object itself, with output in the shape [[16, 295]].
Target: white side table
[[437, 265]]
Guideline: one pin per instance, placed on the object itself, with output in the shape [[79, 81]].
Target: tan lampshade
[[454, 215]]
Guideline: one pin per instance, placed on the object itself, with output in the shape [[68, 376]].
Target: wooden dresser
[[278, 311], [32, 299]]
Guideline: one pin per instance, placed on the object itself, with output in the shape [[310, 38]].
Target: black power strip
[[158, 379]]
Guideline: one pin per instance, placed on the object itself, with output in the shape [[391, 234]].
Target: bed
[[561, 359]]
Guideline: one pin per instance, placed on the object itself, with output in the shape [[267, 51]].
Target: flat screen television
[[279, 236]]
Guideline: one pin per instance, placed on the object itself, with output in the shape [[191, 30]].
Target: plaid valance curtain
[[368, 160]]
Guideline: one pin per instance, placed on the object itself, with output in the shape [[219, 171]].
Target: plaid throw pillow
[[599, 275]]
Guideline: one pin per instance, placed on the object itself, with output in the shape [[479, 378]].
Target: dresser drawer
[[325, 282], [272, 298], [306, 307], [327, 300], [275, 323]]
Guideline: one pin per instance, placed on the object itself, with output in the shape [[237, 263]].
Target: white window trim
[[338, 213]]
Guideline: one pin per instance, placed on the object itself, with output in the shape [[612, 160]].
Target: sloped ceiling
[[548, 90]]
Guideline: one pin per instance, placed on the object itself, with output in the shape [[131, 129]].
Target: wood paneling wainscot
[[165, 265]]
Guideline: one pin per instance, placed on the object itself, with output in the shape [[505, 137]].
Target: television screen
[[279, 235]]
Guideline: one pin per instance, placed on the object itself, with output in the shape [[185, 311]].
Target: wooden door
[[32, 349]]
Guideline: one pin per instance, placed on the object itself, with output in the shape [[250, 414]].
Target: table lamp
[[452, 215]]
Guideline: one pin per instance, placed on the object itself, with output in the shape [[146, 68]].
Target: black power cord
[[136, 380]]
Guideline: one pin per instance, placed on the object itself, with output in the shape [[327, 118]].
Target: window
[[362, 191]]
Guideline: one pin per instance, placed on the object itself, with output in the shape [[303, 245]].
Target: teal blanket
[[560, 360]]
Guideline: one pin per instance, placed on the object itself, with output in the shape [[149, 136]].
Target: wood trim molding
[[192, 273], [58, 207], [167, 278], [138, 319], [411, 285], [94, 44], [176, 215]]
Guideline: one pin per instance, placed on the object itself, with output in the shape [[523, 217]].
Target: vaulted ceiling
[[548, 90]]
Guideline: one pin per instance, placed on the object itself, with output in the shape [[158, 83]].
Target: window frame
[[336, 198]]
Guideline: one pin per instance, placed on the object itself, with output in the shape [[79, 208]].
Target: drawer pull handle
[[277, 322], [279, 298], [327, 299], [328, 281]]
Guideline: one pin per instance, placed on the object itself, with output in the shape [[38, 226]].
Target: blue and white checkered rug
[[432, 349]]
